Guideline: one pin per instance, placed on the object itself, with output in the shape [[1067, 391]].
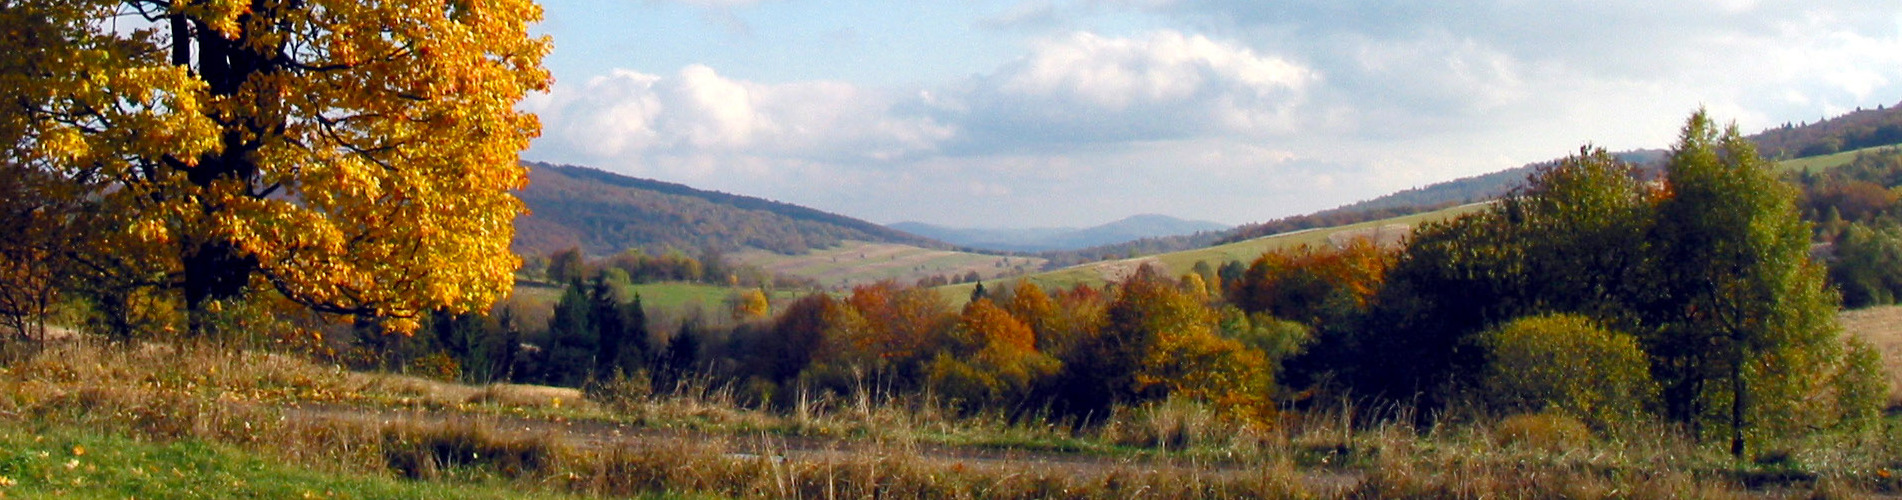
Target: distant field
[[1882, 327], [655, 298], [858, 262], [1098, 273], [1826, 162]]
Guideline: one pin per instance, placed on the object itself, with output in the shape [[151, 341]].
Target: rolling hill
[[604, 213], [1810, 147], [1045, 239]]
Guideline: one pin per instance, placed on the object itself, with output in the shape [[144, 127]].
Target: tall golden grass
[[700, 441]]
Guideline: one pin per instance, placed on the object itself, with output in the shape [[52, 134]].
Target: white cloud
[[1232, 110], [1085, 88], [628, 115]]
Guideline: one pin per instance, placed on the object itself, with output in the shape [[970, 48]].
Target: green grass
[[64, 462], [1826, 162], [1175, 263]]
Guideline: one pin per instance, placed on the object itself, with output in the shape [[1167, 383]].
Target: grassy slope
[[1098, 273], [858, 262], [56, 462], [1826, 162]]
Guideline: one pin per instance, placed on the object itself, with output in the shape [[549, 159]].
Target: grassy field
[[1098, 273], [857, 262], [95, 420], [1826, 162], [1882, 327], [533, 301], [65, 462]]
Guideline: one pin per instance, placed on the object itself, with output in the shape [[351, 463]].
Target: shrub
[[1566, 363], [1861, 390]]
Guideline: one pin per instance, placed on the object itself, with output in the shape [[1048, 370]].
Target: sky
[[1047, 113]]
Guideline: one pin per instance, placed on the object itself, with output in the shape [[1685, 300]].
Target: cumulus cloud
[[1416, 65], [630, 114], [1089, 88]]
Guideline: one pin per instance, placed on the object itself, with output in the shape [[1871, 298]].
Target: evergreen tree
[[608, 323], [571, 338], [629, 350]]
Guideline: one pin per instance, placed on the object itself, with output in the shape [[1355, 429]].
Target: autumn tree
[[991, 359], [749, 304], [902, 324], [567, 265], [33, 255], [353, 157], [1315, 286], [1159, 342], [1031, 305]]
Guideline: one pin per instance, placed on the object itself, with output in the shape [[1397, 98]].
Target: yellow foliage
[[362, 155], [751, 304]]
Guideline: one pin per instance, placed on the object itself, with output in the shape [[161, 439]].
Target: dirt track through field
[[594, 434]]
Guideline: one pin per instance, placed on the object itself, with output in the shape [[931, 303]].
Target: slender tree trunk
[[1737, 402]]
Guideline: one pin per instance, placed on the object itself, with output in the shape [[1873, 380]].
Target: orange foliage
[[1180, 354], [1313, 285], [899, 323]]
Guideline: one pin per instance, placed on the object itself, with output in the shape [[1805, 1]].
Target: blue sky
[[1003, 113]]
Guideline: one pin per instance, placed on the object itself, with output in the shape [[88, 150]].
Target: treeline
[[1858, 225]]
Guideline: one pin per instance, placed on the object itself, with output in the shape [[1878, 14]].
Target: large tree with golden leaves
[[356, 157]]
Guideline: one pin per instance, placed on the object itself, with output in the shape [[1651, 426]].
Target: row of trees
[[1693, 296], [1596, 292], [1707, 270]]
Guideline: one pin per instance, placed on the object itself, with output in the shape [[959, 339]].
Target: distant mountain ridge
[[604, 213], [1128, 229]]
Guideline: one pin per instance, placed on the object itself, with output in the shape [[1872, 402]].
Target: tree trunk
[[1737, 401]]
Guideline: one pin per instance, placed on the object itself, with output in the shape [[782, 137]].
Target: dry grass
[[1882, 327], [702, 442]]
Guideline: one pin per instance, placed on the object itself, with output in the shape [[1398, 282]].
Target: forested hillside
[[1862, 128], [1859, 129], [604, 213]]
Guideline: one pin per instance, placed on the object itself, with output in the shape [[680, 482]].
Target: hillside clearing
[[858, 262], [1826, 162]]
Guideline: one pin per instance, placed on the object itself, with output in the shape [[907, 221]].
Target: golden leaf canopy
[[357, 157]]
